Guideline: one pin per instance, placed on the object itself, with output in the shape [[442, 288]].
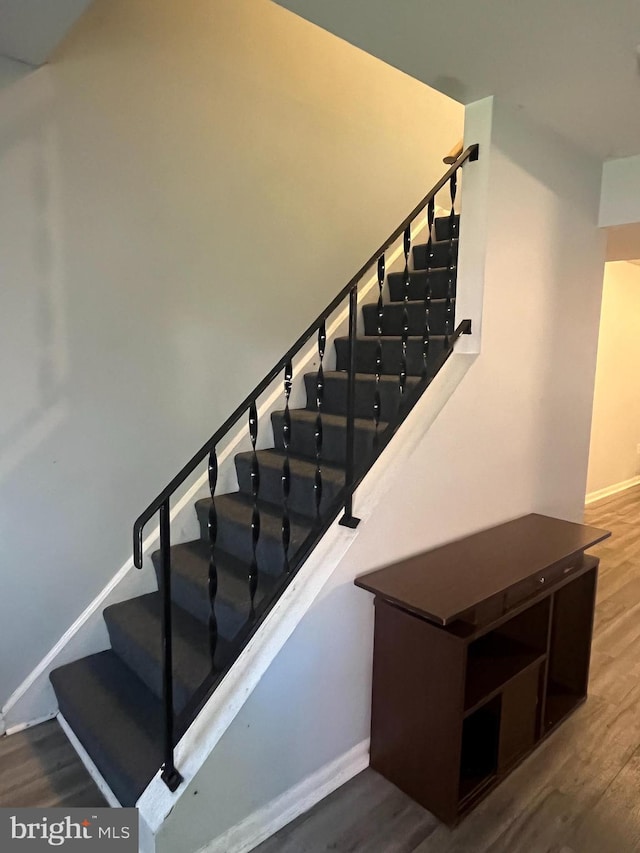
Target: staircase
[[129, 705]]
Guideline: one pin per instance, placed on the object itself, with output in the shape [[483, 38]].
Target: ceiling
[[31, 29], [571, 64]]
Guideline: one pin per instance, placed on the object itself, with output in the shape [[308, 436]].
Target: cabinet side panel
[[418, 693]]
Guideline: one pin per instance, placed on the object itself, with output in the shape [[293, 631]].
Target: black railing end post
[[137, 545], [171, 778], [466, 327], [349, 520], [475, 154]]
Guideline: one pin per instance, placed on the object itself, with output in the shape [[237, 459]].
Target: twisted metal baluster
[[453, 233], [426, 337], [377, 401], [255, 514], [213, 569], [406, 279], [317, 483], [286, 468]]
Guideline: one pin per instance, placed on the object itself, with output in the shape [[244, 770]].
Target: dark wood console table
[[481, 649]]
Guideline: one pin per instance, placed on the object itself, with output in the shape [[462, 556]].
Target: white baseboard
[[591, 497], [86, 759], [20, 727], [269, 819]]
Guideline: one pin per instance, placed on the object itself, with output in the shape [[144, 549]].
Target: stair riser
[[366, 353], [234, 537], [144, 666], [443, 229], [393, 318], [438, 281], [194, 599], [439, 252], [333, 442], [335, 397], [301, 496]]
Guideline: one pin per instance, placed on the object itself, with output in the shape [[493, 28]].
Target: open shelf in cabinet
[[569, 649], [500, 655]]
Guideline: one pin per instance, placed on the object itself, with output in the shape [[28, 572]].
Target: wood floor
[[579, 793], [39, 767]]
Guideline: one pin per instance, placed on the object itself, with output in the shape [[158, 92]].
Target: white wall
[[513, 439], [615, 430], [182, 190], [620, 200]]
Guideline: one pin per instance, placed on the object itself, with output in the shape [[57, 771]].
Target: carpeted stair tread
[[439, 254], [301, 495], [393, 317], [115, 717], [135, 630], [366, 352], [336, 388], [442, 227], [234, 512], [190, 585], [438, 280], [334, 427]]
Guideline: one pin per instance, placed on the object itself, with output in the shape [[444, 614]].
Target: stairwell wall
[[182, 190], [513, 439]]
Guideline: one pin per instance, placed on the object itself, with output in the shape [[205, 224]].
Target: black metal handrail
[[470, 154], [161, 504]]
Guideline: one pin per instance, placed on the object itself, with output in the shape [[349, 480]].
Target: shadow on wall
[[33, 347]]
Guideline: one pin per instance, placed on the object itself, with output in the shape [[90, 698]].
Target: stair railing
[[173, 728]]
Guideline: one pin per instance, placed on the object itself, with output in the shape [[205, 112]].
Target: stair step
[[437, 278], [367, 349], [135, 631], [443, 227], [115, 717], [393, 317], [439, 254], [335, 394], [234, 513], [190, 585], [334, 436], [301, 496]]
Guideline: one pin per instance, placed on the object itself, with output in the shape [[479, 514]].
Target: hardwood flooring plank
[[613, 825], [39, 767]]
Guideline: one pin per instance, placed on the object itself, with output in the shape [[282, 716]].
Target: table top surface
[[443, 583]]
